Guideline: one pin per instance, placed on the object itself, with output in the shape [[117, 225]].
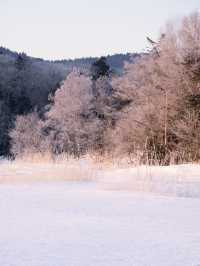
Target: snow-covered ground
[[174, 180], [111, 221]]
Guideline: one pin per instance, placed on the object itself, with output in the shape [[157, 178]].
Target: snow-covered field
[[112, 220]]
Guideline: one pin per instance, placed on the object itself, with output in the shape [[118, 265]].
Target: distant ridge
[[115, 61]]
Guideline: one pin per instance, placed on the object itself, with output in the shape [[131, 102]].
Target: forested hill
[[26, 83], [116, 61]]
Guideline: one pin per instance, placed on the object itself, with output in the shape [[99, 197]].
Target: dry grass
[[110, 173], [47, 168]]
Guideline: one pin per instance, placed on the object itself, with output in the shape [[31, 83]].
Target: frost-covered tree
[[162, 87], [65, 125]]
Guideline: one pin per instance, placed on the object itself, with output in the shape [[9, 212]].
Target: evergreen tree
[[100, 68]]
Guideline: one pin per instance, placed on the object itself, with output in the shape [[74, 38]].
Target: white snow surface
[[174, 180], [113, 221]]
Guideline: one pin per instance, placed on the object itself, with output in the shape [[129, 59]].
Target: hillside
[[115, 61]]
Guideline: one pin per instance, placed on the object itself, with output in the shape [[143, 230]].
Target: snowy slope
[[174, 180], [79, 224]]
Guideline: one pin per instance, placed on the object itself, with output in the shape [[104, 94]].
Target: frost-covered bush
[[27, 136]]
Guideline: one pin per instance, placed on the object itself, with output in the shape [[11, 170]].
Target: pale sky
[[57, 29]]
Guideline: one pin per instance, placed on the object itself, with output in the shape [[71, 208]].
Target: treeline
[[76, 122], [151, 112], [26, 85]]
